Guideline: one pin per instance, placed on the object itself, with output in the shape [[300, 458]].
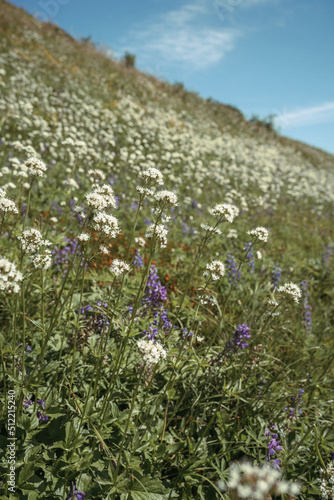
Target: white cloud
[[181, 36], [306, 116]]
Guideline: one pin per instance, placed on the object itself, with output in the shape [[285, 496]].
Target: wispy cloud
[[182, 36], [306, 116]]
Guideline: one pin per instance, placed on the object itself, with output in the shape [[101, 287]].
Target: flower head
[[159, 232], [151, 351], [31, 240], [36, 167], [119, 267], [10, 277], [166, 198], [152, 176], [215, 270], [260, 233], [225, 212], [108, 224], [290, 290]]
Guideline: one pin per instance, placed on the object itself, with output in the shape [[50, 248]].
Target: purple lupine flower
[[76, 494], [41, 415], [96, 319], [276, 277], [241, 333], [232, 269], [160, 321], [155, 294], [331, 455], [23, 208], [307, 309], [295, 405], [326, 256], [274, 446], [27, 402], [248, 248], [138, 260]]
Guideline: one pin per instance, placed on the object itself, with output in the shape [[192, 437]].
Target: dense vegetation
[[166, 287]]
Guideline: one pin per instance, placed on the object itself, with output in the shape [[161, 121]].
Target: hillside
[[239, 351]]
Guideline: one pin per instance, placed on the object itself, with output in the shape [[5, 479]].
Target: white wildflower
[[152, 351], [260, 483], [108, 224], [152, 176], [7, 206], [291, 290], [259, 254], [232, 233], [144, 192], [42, 261], [166, 198], [83, 237], [10, 277], [36, 167], [104, 249], [96, 173], [101, 197], [140, 241], [211, 229], [119, 267], [260, 233], [159, 232], [31, 240], [215, 270], [225, 212]]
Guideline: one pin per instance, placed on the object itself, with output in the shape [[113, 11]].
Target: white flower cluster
[[151, 351], [108, 224], [83, 237], [166, 198], [225, 212], [10, 277], [36, 167], [104, 250], [96, 174], [119, 267], [291, 290], [211, 229], [261, 233], [42, 261], [215, 270], [101, 197], [326, 480], [159, 232], [152, 176], [257, 483], [7, 206], [31, 241], [140, 241]]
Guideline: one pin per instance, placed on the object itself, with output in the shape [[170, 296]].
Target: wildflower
[[10, 277], [140, 241], [215, 270], [232, 269], [96, 173], [138, 260], [159, 232], [36, 167], [76, 494], [327, 481], [273, 446], [31, 240], [155, 293], [151, 351], [144, 192], [101, 197], [240, 333], [83, 237], [119, 267], [104, 250], [250, 481], [41, 415], [152, 176], [276, 277], [307, 309], [7, 206], [248, 248], [225, 212], [232, 233], [166, 198], [211, 229], [259, 254], [42, 261], [290, 290], [260, 233], [108, 224]]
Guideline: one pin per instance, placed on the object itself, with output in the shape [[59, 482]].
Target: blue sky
[[261, 56]]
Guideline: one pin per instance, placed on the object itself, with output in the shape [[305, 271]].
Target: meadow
[[166, 287]]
